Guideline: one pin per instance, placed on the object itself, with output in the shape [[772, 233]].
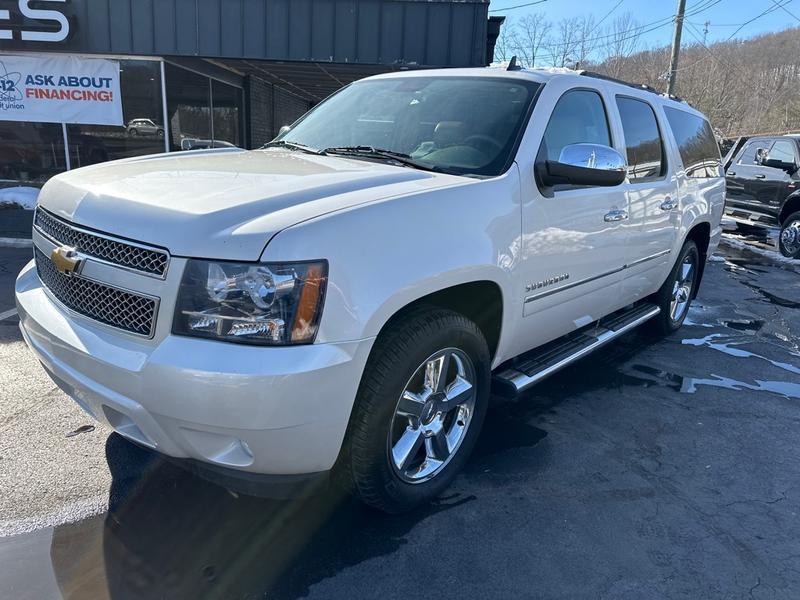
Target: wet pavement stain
[[716, 341], [648, 376], [745, 325]]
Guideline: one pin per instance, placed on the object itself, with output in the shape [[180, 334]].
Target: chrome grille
[[112, 306], [153, 262]]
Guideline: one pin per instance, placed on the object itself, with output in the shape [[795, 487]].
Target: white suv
[[344, 299]]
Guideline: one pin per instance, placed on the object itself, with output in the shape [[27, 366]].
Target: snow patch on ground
[[72, 513], [24, 197], [772, 254]]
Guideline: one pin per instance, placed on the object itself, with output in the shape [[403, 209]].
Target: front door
[[750, 186], [777, 183], [573, 239]]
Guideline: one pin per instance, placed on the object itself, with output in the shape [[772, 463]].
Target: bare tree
[[504, 47], [564, 45], [620, 41], [586, 43], [745, 87], [530, 37]]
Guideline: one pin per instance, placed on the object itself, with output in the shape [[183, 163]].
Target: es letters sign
[[60, 89], [47, 18]]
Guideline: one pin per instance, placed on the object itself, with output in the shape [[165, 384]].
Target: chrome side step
[[531, 368]]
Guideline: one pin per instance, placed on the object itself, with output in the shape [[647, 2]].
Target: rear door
[[652, 191]]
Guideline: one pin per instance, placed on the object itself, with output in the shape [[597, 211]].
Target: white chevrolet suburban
[[344, 299]]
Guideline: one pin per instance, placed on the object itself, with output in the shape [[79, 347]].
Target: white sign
[[54, 16], [60, 89]]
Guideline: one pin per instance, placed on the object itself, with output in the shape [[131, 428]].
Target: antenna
[[513, 66]]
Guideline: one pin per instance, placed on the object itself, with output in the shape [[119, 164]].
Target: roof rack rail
[[638, 86]]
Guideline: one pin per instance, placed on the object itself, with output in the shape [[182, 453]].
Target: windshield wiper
[[378, 153], [293, 146]]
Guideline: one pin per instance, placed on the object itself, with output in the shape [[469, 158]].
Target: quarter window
[[578, 118], [643, 142], [696, 143], [748, 156]]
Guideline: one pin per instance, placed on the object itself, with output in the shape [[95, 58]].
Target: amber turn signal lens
[[307, 317]]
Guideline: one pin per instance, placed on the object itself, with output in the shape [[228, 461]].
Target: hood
[[224, 204]]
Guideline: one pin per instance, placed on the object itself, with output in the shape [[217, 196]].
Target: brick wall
[[269, 108]]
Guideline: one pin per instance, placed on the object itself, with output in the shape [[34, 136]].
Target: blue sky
[[725, 16]]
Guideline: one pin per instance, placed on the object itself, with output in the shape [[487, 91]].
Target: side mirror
[[774, 163], [585, 164], [284, 129]]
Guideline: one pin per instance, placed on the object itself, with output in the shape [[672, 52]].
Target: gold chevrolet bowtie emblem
[[66, 260]]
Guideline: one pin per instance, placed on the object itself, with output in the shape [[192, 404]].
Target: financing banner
[[60, 89]]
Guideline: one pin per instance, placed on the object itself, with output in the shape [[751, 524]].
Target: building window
[[227, 103], [30, 153], [188, 109], [143, 116], [203, 113]]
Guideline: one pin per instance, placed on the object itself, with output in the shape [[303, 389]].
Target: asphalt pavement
[[653, 469]]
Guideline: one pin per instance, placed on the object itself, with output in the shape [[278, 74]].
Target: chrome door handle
[[669, 204], [731, 173], [761, 176], [616, 215]]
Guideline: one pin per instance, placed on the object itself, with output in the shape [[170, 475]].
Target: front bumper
[[260, 410]]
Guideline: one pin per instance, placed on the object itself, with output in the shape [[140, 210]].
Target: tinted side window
[[643, 141], [748, 155], [783, 150], [698, 148], [578, 118]]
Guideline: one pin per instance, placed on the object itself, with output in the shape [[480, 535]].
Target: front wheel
[[675, 296], [789, 240], [419, 410]]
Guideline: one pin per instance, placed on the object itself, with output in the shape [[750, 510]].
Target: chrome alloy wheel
[[790, 237], [682, 289], [432, 416]]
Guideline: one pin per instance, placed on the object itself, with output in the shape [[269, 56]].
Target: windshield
[[462, 125]]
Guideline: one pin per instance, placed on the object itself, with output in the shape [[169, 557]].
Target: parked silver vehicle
[[145, 127]]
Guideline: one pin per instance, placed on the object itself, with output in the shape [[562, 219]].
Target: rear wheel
[[675, 296], [789, 240], [419, 410]]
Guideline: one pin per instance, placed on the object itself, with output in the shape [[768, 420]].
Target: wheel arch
[[791, 206], [700, 234], [481, 301]]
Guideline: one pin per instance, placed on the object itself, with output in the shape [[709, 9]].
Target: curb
[[15, 242]]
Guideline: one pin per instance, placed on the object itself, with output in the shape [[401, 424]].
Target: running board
[[534, 366]]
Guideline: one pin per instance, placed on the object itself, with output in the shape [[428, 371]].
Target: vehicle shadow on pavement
[[170, 534]]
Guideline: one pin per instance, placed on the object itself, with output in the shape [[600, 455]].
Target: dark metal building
[[200, 73]]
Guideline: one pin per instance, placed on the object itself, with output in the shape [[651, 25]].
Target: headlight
[[265, 304]]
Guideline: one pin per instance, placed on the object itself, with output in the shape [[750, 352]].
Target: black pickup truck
[[763, 186]]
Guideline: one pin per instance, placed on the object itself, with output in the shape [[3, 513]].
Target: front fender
[[386, 254]]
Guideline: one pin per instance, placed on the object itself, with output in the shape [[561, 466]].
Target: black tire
[[664, 323], [134, 132], [789, 238], [398, 354], [160, 133]]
